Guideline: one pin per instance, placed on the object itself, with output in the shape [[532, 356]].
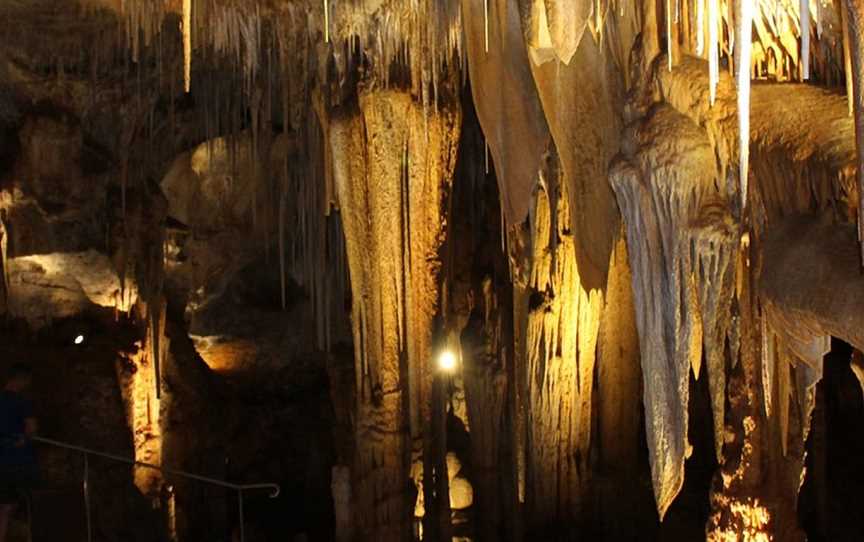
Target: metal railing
[[274, 489]]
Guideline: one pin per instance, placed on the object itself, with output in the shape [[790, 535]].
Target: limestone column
[[392, 163]]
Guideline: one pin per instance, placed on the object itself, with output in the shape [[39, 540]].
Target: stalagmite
[[187, 45], [561, 340], [282, 205], [392, 233], [619, 397], [857, 365]]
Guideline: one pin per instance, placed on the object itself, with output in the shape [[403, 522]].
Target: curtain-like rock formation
[[681, 245], [506, 99]]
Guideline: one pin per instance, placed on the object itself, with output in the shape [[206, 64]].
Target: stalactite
[[855, 11], [187, 45], [847, 57], [783, 364], [804, 15], [713, 52], [486, 25], [791, 344], [668, 17], [681, 298], [501, 82], [768, 365], [744, 25]]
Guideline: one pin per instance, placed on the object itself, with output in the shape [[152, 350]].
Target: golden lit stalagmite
[[561, 339], [619, 398], [392, 166], [4, 264], [574, 222], [137, 376]]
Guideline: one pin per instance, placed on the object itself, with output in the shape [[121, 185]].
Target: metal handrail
[[239, 488]]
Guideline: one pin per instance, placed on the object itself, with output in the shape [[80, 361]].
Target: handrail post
[[242, 523], [87, 496], [28, 500]]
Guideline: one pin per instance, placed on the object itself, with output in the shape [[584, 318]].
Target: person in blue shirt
[[17, 459]]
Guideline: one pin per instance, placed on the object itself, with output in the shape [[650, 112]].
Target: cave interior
[[398, 270]]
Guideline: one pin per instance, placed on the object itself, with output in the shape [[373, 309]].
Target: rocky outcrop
[[810, 276]]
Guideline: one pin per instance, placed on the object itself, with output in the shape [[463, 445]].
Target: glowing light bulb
[[446, 361], [79, 339]]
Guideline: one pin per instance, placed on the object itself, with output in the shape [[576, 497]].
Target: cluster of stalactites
[[417, 40], [557, 28], [143, 22], [414, 44], [250, 68], [792, 359], [781, 48]]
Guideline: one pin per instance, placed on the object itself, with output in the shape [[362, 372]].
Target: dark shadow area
[[829, 503], [686, 518], [77, 400]]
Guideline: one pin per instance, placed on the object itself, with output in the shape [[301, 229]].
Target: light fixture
[[446, 361], [79, 339]]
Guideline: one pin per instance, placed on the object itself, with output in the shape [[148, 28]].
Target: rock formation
[[277, 216]]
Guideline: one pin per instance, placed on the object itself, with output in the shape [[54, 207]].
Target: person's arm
[[31, 426], [30, 423]]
